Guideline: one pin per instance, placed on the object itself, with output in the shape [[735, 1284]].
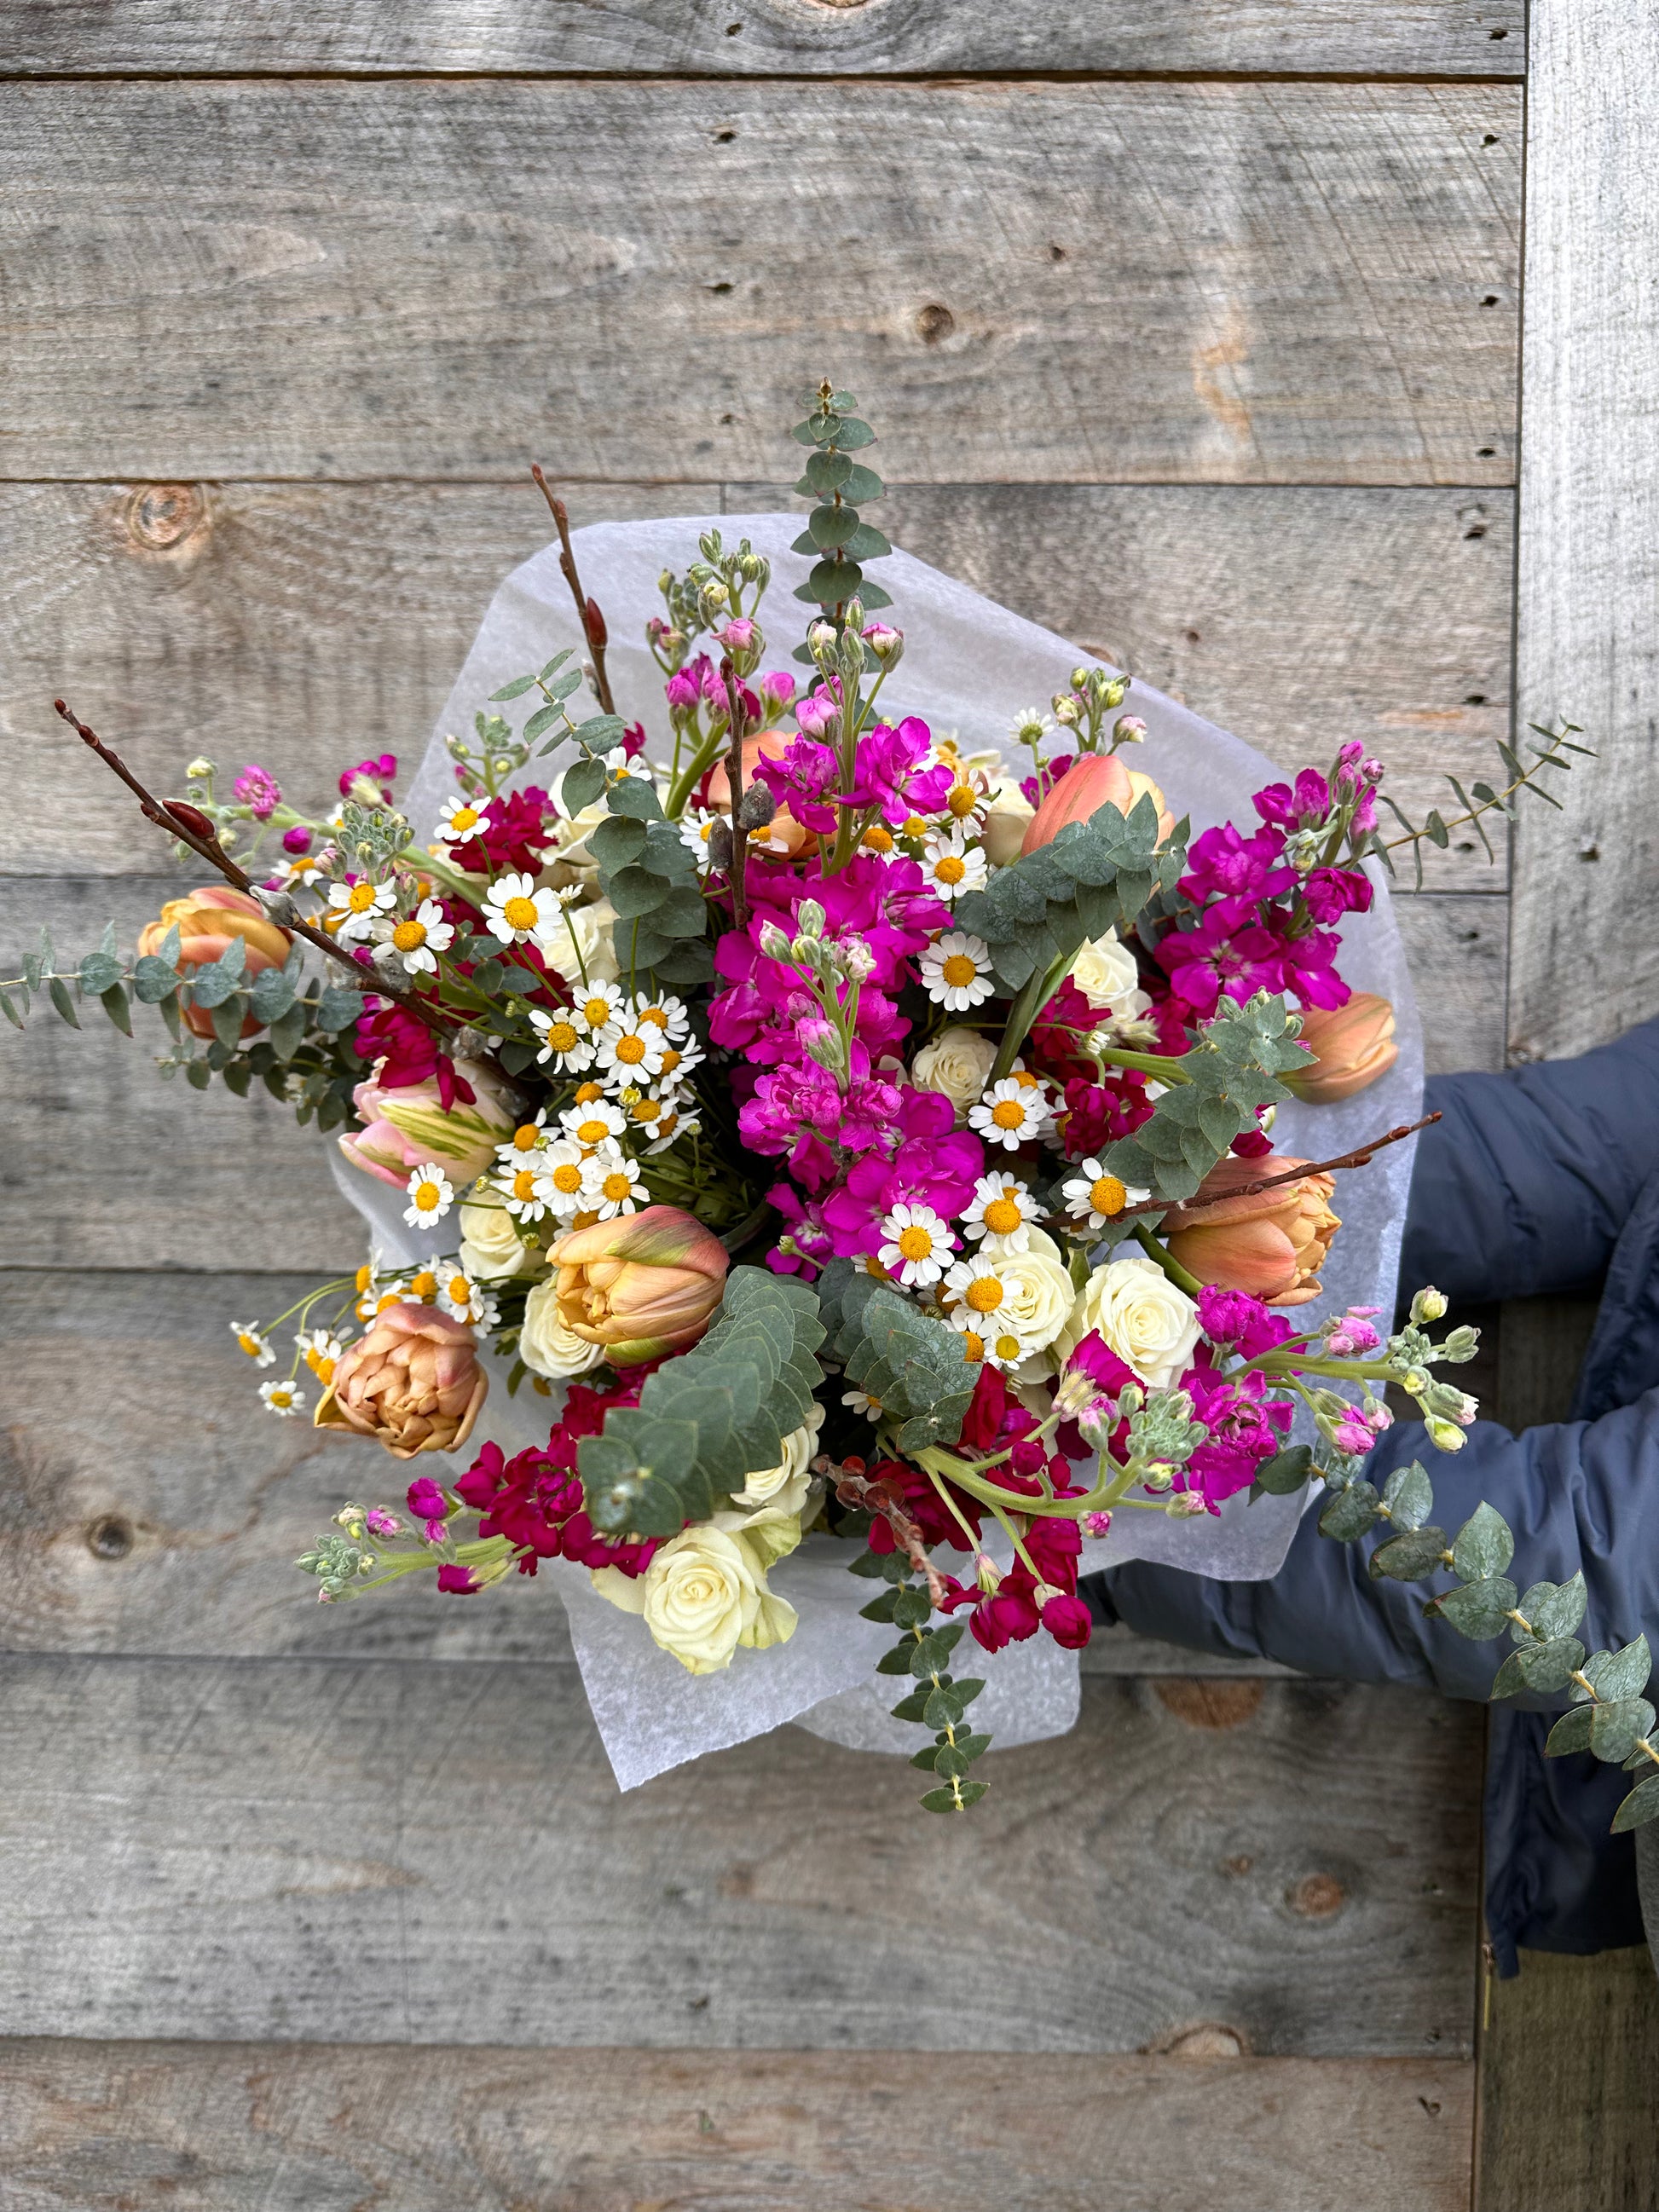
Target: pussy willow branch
[[1359, 1157], [163, 813], [587, 611]]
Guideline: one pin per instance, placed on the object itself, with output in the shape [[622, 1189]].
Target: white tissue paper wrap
[[969, 668]]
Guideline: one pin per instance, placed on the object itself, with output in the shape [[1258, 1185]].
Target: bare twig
[[1359, 1157], [587, 611], [192, 829], [734, 780], [855, 1492]]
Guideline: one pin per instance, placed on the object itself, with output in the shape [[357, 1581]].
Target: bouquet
[[815, 1124]]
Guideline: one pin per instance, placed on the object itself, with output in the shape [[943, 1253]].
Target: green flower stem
[[1172, 1268], [478, 1554], [1034, 993], [934, 1460], [953, 1510], [1157, 1065], [1013, 1536], [685, 782]]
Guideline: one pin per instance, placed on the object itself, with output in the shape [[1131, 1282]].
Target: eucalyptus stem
[[1172, 1268]]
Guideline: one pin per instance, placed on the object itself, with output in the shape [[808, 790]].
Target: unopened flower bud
[[810, 918], [1114, 693], [1068, 711], [201, 766], [1097, 1524], [849, 654], [1128, 730], [757, 807], [1416, 1382], [774, 943], [821, 642], [1185, 1506], [666, 582], [821, 1040], [885, 643], [1080, 678], [806, 950], [1445, 1435], [1461, 1345], [1429, 1304], [857, 960], [714, 596], [987, 1574], [1158, 1478]]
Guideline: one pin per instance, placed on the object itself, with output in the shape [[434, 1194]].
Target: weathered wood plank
[[1414, 38], [358, 1851], [1587, 647], [1127, 281], [140, 2127], [305, 625], [1568, 2062], [148, 1503], [1457, 949]]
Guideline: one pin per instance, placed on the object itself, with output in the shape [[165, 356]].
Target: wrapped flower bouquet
[[815, 1114]]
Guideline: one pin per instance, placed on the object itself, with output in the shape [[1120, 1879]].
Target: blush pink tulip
[[642, 1286], [206, 920], [413, 1384], [1096, 780], [1271, 1243], [1353, 1045], [405, 1128]]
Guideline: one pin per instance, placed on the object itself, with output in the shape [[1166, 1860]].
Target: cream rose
[[1037, 1295], [784, 1487], [491, 1248], [956, 1063], [1105, 972], [1151, 1325], [1006, 818], [546, 1345], [590, 926], [704, 1593]]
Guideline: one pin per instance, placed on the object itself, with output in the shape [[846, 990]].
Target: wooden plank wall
[[1192, 333]]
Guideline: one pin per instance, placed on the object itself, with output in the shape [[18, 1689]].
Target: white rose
[[1005, 820], [1037, 1295], [956, 1063], [491, 1248], [591, 927], [1105, 972], [1151, 1325], [703, 1594], [784, 1487], [546, 1346]]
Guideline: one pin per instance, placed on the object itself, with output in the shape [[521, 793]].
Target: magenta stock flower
[[819, 713], [1245, 1428], [889, 772], [1304, 806], [1229, 952], [460, 1582], [1225, 864], [1307, 969], [777, 689], [1353, 1334], [1332, 892], [296, 840], [1235, 1318], [257, 789], [803, 779], [370, 779]]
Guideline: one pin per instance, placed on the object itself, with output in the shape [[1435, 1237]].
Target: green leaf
[[515, 690], [154, 980], [866, 543], [212, 984], [114, 1004], [616, 841], [10, 1010], [1411, 1557], [227, 1017], [238, 1076], [1349, 1513], [828, 527], [1483, 1546], [58, 992], [633, 893], [1641, 1806], [541, 721], [1287, 1471], [274, 992], [943, 1801], [584, 780], [337, 1009], [1544, 1667], [825, 471], [1478, 1609], [198, 1075], [635, 798], [1552, 1608], [98, 970], [286, 1032], [601, 734], [1616, 1728], [1616, 1674], [1408, 1495], [1570, 1733]]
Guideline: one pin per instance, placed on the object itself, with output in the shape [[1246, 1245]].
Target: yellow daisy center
[[916, 1244], [321, 1368], [597, 1012], [950, 868], [409, 935], [670, 1060], [1024, 1077], [583, 1220], [655, 1014], [914, 826], [973, 1346], [249, 1343], [282, 1395], [630, 1050], [519, 913], [873, 1267], [561, 1036], [1008, 1114], [1003, 1216], [646, 1110], [387, 1298], [424, 1286], [523, 1183], [1106, 1194], [1008, 1347], [984, 1294], [526, 1137], [464, 818], [568, 1178], [361, 897], [593, 1133], [588, 1092], [426, 1196], [879, 840], [616, 1187], [365, 1276], [963, 800], [459, 1291], [959, 969]]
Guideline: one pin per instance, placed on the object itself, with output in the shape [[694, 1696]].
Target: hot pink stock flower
[[257, 788], [370, 779]]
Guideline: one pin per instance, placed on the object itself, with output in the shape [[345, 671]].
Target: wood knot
[[164, 517], [1316, 1896], [110, 1537], [1209, 2039], [934, 324], [1209, 1702]]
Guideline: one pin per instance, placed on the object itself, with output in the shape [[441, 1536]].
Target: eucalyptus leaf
[[1483, 1546], [1543, 1667], [1478, 1609], [1615, 1728], [1641, 1806]]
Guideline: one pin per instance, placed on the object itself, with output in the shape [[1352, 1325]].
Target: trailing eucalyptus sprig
[[836, 532]]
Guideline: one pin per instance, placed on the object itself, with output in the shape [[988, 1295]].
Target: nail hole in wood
[[1589, 852], [934, 323], [1489, 301], [1475, 699], [1490, 138], [1498, 34], [109, 1537], [1485, 453], [1479, 531], [1056, 253], [1192, 637], [732, 30], [724, 137], [719, 288], [1316, 1896]]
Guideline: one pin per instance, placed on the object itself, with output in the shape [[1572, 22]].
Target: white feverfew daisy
[[613, 1184], [514, 909], [979, 1303], [1002, 1213], [673, 1125], [1011, 1113], [463, 1299], [303, 871], [599, 1004], [951, 865], [459, 821], [695, 830], [592, 1121], [416, 939], [916, 1245], [282, 1398], [1094, 1198], [669, 1015], [526, 1139], [561, 1172], [256, 1346], [1030, 726], [956, 971], [629, 1051], [360, 907], [566, 1042], [860, 1402], [678, 1062], [430, 1195], [319, 1348], [525, 1191]]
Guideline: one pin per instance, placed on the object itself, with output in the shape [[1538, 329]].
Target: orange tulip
[[784, 834], [207, 920], [1271, 1243], [413, 1384], [642, 1286], [1097, 780], [1353, 1046]]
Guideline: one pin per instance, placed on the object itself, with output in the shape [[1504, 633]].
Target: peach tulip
[[1271, 1243], [1097, 780], [1353, 1046], [642, 1286], [413, 1384], [207, 919], [783, 834]]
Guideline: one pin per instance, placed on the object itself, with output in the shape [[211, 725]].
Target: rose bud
[[413, 1384], [1353, 1046], [405, 1128], [207, 920], [1097, 780], [1271, 1243], [642, 1286]]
